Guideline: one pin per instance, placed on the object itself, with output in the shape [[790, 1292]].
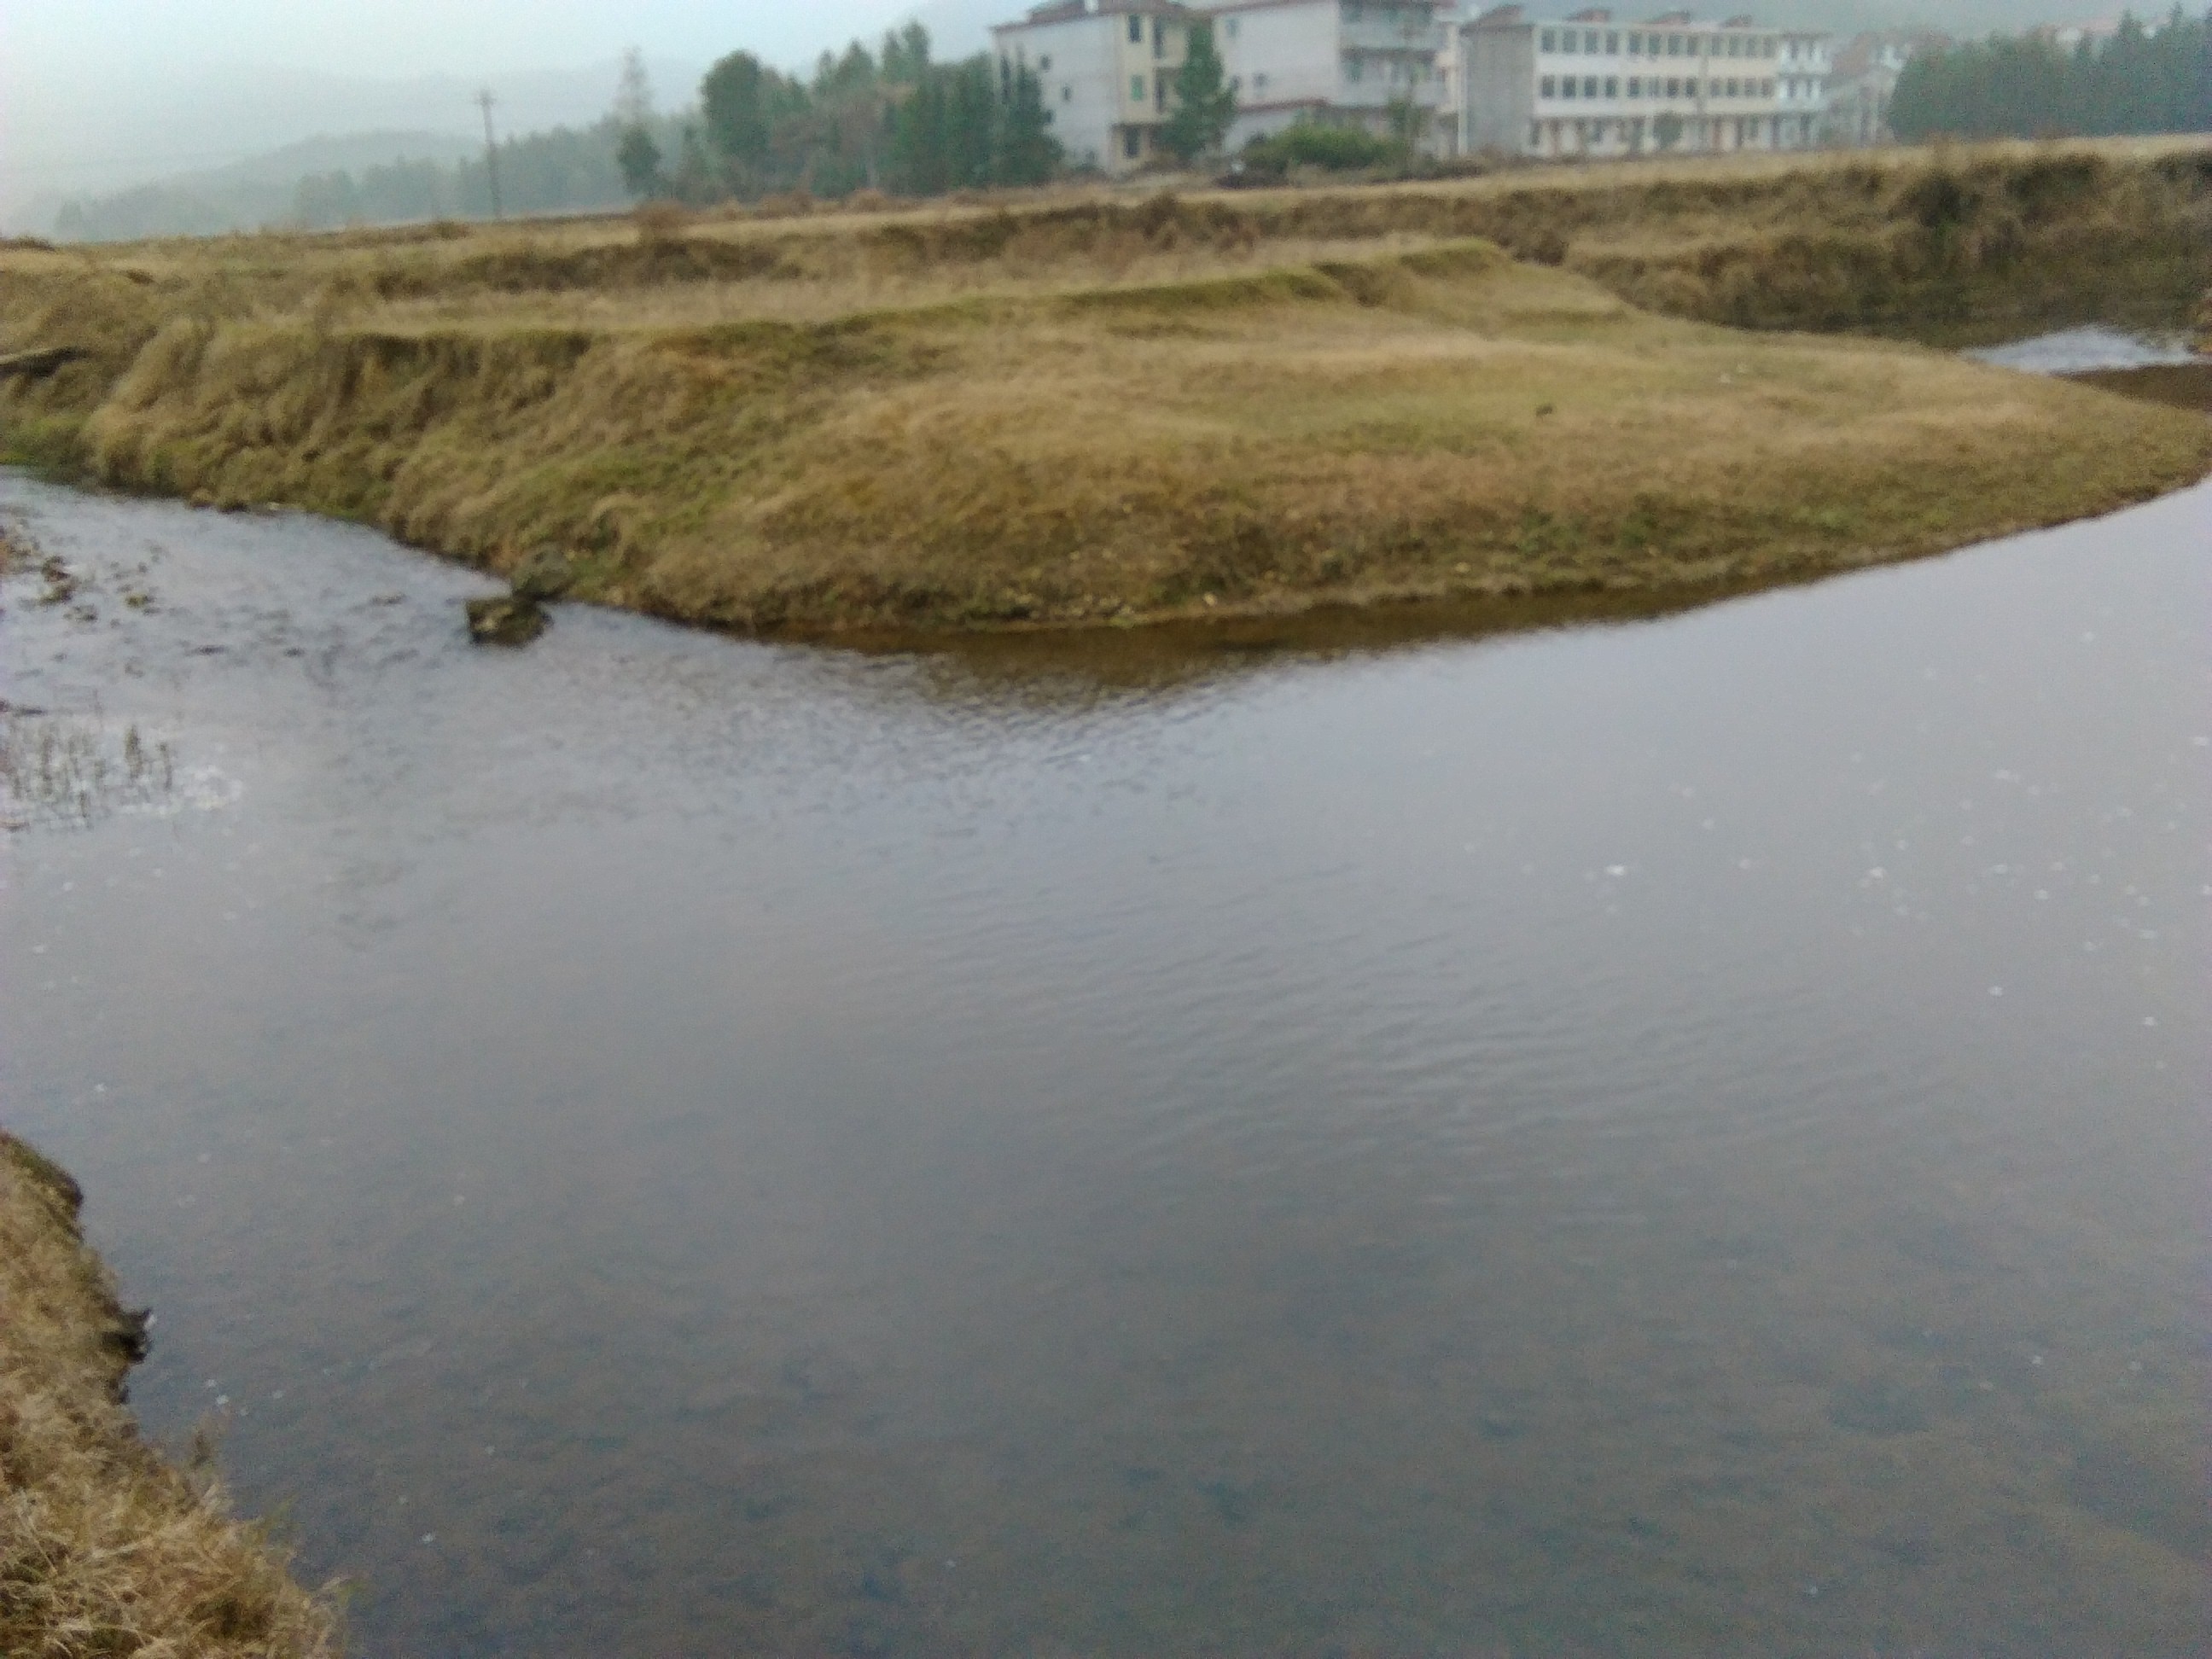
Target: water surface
[[1678, 1137], [2087, 350]]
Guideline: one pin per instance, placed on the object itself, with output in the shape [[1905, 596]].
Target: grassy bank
[[105, 1549], [1078, 408]]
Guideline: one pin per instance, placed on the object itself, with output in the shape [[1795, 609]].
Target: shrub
[[1330, 149]]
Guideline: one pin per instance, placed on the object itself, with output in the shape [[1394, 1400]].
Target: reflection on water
[[1679, 1137], [2089, 350]]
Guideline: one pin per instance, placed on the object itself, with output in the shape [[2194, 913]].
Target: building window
[[1589, 86], [1567, 87], [1591, 42], [1550, 89], [1673, 45], [1260, 82], [1635, 45], [1611, 87], [1136, 89], [1133, 143], [1551, 39], [1044, 64], [1354, 68], [1613, 46], [1136, 30], [1635, 86], [1536, 135], [1068, 94], [1571, 41], [1232, 28]]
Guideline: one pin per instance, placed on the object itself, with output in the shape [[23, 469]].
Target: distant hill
[[59, 144], [371, 180], [246, 195], [288, 163]]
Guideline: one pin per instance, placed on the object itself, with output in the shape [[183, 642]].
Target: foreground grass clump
[[104, 1548], [1093, 409]]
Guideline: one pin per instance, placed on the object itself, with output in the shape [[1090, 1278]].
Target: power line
[[484, 101]]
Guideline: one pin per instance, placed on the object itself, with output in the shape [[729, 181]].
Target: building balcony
[[1370, 93]]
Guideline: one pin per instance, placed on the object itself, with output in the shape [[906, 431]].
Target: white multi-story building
[[1107, 69], [1349, 62], [1587, 85], [1801, 71], [1451, 86]]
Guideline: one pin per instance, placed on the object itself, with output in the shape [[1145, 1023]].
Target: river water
[[1682, 1136]]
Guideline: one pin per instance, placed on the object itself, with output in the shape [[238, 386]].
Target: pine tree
[[972, 131], [738, 104], [906, 55], [2137, 81], [639, 158], [1027, 154], [1206, 104]]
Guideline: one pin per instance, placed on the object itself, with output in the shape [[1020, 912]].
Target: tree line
[[892, 119], [2137, 80], [565, 169]]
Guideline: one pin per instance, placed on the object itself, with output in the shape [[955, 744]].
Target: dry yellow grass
[[105, 1549], [1097, 406]]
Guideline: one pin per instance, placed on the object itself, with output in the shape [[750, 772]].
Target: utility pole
[[484, 101]]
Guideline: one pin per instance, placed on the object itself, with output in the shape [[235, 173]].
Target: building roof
[[1066, 11], [1514, 16]]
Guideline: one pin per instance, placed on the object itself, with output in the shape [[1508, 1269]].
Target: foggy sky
[[79, 41], [96, 93]]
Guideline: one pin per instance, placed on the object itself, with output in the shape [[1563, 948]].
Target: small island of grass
[[1114, 409]]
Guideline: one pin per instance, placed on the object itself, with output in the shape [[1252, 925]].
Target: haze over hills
[[250, 120], [235, 138]]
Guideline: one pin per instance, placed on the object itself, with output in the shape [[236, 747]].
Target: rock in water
[[545, 575], [506, 619]]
